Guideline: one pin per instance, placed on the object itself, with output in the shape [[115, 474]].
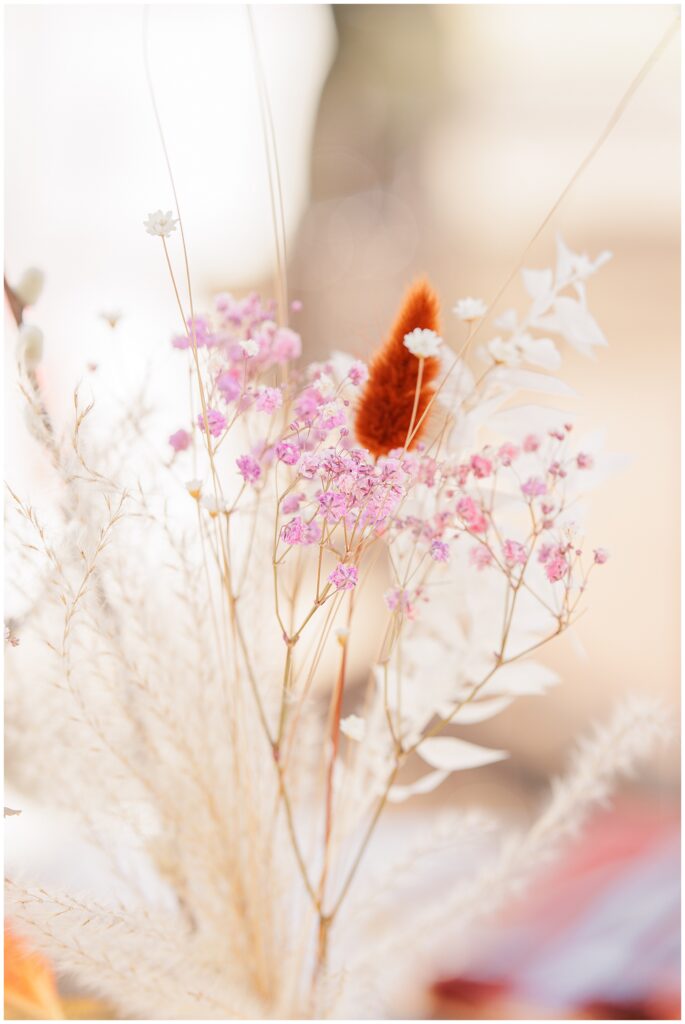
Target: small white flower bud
[[213, 505], [423, 343], [30, 345], [325, 385], [470, 309], [249, 347], [159, 223], [30, 286]]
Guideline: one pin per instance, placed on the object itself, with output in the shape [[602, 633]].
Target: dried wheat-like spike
[[385, 410]]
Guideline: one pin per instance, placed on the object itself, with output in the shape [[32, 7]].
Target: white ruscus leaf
[[449, 754]]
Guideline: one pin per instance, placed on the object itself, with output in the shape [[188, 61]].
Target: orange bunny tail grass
[[385, 408]]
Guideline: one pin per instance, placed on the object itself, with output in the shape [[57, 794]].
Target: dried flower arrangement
[[176, 716], [193, 740]]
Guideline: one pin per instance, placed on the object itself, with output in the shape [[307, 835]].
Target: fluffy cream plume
[[131, 957], [167, 768]]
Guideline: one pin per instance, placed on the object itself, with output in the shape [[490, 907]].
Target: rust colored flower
[[386, 405]]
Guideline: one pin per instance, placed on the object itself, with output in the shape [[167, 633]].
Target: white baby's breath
[[470, 309], [212, 504], [506, 352], [160, 224], [329, 410], [249, 347], [423, 343], [325, 385]]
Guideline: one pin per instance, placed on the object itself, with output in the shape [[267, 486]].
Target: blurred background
[[412, 139]]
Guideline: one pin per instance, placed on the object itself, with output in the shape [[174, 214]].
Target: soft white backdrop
[[84, 166]]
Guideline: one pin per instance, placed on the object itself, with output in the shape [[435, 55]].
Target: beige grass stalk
[[274, 174]]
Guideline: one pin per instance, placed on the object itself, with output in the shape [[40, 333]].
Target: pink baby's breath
[[292, 502], [180, 440], [294, 531], [286, 345], [288, 453], [481, 466], [307, 403], [312, 533], [534, 487], [332, 505], [229, 385], [309, 466], [268, 399], [199, 330], [216, 422], [472, 514], [439, 551], [399, 600], [331, 415], [358, 372], [344, 577], [480, 557], [556, 568], [249, 468], [514, 553], [508, 453]]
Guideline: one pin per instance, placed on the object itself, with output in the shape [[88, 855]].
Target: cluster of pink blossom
[[332, 493], [237, 321], [536, 471], [467, 498], [341, 486], [404, 601], [242, 342]]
